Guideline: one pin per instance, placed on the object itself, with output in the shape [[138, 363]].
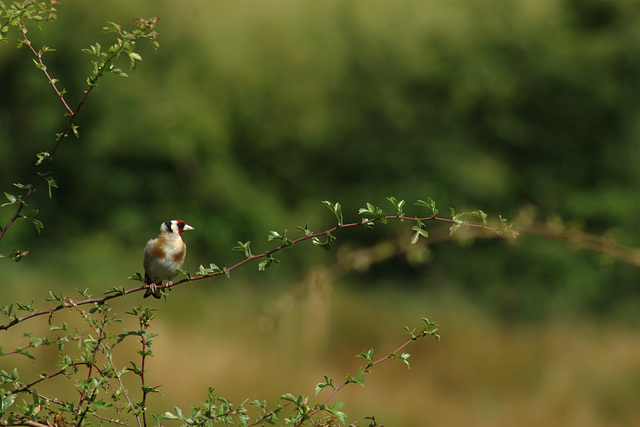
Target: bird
[[164, 255]]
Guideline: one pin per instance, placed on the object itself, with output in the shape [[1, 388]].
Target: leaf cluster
[[125, 45], [18, 13], [92, 371]]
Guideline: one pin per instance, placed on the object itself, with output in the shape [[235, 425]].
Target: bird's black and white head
[[175, 227]]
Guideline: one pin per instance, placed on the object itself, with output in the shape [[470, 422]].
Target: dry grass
[[561, 372]]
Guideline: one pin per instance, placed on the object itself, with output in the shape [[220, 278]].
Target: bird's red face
[[181, 225], [178, 225]]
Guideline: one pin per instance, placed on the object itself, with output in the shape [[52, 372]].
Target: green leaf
[[22, 186], [261, 405], [186, 274], [480, 214], [419, 231], [6, 401], [210, 270], [118, 72], [138, 277], [368, 355], [11, 199], [42, 156], [50, 181], [178, 412], [40, 65], [54, 297], [112, 28], [410, 332], [430, 328], [427, 324], [290, 397], [274, 235], [93, 49], [64, 326], [30, 216], [328, 382], [148, 389], [326, 245], [429, 204], [369, 209], [404, 357], [368, 223], [85, 293], [304, 230], [36, 397], [373, 210], [8, 311], [36, 223], [133, 57], [268, 262], [168, 416], [243, 247], [455, 216], [342, 417], [26, 307], [397, 204], [336, 209], [358, 379]]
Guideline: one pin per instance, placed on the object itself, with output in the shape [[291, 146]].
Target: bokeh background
[[252, 113]]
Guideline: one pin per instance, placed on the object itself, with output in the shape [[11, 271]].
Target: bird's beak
[[188, 227]]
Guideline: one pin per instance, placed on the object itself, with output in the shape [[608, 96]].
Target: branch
[[428, 328], [470, 230], [145, 29], [602, 244], [67, 303]]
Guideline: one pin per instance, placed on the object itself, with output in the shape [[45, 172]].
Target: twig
[[43, 67], [96, 346], [26, 387]]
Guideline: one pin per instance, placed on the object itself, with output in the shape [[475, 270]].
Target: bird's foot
[[152, 290]]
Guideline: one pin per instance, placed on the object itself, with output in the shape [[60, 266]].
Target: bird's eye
[[181, 225]]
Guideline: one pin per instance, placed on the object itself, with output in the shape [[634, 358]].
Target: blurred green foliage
[[252, 113]]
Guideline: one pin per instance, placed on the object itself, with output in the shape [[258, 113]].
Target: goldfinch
[[164, 255]]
